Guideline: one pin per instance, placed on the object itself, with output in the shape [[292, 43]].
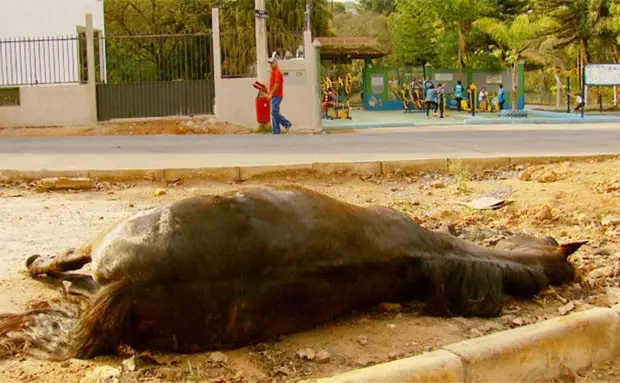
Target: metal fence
[[43, 60], [238, 54], [239, 50], [150, 58], [155, 75], [287, 43]]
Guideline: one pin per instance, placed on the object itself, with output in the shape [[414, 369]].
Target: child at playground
[[501, 96], [483, 99], [431, 99], [330, 100], [459, 91]]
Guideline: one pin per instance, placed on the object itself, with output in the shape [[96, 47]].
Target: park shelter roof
[[350, 48]]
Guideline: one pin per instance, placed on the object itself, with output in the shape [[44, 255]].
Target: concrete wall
[[235, 100], [57, 105]]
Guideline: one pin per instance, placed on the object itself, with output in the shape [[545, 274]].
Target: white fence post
[[90, 63]]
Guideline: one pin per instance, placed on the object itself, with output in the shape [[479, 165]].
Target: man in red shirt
[[276, 92]]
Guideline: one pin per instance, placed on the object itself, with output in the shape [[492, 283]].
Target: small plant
[[461, 173]]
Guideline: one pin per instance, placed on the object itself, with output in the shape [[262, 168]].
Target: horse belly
[[200, 315]]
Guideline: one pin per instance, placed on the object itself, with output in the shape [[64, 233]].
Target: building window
[[9, 97]]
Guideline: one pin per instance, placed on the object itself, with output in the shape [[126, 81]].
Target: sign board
[[261, 13], [295, 77], [494, 78], [602, 74], [444, 76]]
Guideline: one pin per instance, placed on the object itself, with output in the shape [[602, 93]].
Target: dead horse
[[215, 272]]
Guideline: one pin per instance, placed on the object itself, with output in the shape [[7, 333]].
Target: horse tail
[[40, 331], [473, 282], [101, 325]]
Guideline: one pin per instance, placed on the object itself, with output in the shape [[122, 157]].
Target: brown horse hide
[[224, 271]]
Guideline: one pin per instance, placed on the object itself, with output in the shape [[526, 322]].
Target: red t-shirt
[[277, 77]]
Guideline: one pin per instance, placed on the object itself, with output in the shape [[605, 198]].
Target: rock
[[475, 332], [525, 175], [490, 327], [394, 355], [129, 364], [390, 307], [518, 321], [363, 361], [218, 357], [158, 192], [102, 374], [362, 340], [602, 272], [546, 176], [610, 221], [323, 356], [391, 326], [65, 183], [603, 300], [570, 306], [544, 214], [306, 353]]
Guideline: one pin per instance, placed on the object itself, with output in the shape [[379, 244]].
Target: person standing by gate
[[501, 97], [459, 90], [276, 93]]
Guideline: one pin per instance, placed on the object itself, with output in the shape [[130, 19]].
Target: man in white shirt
[[580, 102]]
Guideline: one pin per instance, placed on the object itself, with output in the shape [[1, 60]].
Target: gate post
[[90, 63], [261, 42], [217, 56]]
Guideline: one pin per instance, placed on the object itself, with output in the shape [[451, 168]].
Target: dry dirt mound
[[150, 127]]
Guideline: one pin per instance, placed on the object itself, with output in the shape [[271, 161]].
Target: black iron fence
[[239, 50], [150, 58], [43, 60]]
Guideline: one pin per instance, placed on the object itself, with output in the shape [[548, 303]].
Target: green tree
[[580, 22], [516, 40], [384, 7], [415, 32]]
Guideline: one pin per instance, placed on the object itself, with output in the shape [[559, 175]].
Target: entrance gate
[[154, 76]]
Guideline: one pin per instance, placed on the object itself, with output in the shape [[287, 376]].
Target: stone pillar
[[91, 67], [261, 44], [217, 56], [217, 48]]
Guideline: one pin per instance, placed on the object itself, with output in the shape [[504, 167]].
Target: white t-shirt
[[579, 99]]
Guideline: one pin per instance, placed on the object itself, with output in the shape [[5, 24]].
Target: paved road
[[63, 153]]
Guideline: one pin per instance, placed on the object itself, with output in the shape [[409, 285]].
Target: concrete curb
[[530, 353], [245, 173]]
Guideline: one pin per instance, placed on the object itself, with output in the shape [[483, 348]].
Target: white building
[[39, 40]]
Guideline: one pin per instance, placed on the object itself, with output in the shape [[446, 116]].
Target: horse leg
[[56, 270]]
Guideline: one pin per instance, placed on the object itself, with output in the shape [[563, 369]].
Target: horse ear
[[569, 248]]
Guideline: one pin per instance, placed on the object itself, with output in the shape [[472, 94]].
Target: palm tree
[[517, 40]]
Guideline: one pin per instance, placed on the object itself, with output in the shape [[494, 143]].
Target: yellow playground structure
[[336, 105], [490, 104], [412, 99]]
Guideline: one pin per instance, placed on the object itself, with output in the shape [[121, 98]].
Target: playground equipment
[[412, 100], [338, 108]]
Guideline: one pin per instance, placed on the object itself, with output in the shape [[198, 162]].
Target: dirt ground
[[201, 125], [569, 201], [169, 126]]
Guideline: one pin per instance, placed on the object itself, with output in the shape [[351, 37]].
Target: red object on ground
[[263, 106]]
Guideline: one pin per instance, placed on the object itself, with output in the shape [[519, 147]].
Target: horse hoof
[[31, 259]]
